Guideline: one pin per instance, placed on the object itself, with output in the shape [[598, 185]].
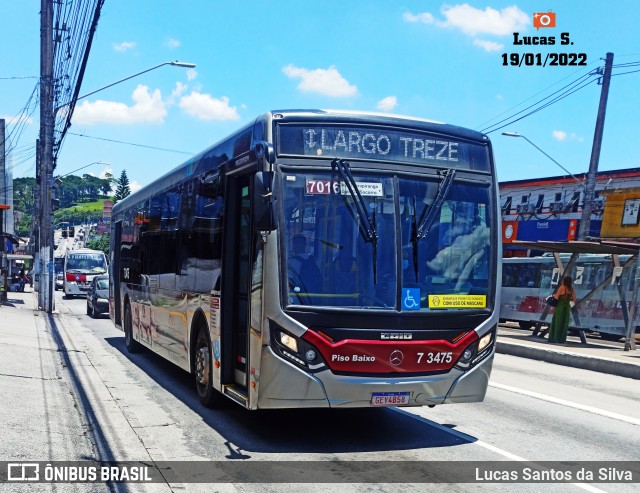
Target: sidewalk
[[596, 355], [37, 409]]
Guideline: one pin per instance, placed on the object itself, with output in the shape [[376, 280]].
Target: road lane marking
[[492, 448], [555, 400]]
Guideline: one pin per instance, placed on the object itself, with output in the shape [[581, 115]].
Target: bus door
[[236, 275], [114, 266]]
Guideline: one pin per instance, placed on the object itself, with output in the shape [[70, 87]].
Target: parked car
[[59, 280], [98, 296]]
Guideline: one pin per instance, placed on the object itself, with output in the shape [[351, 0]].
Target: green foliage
[[76, 189], [81, 199], [101, 243], [122, 187]]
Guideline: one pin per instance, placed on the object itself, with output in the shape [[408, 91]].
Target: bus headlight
[[476, 351], [296, 350], [467, 355], [288, 341], [485, 341]]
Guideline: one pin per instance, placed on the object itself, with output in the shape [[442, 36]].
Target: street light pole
[[83, 167], [174, 64], [516, 134], [44, 176]]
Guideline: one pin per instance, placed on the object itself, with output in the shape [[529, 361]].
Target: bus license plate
[[390, 398]]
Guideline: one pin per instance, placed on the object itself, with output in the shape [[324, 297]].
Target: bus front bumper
[[283, 385]]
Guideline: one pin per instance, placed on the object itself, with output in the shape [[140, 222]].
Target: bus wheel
[[133, 346], [208, 396], [525, 325]]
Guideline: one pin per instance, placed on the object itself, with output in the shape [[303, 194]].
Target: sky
[[422, 58]]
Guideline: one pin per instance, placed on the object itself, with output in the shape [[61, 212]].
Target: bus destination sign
[[381, 144]]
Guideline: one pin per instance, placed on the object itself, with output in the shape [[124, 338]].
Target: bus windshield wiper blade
[[424, 225], [414, 235], [366, 225]]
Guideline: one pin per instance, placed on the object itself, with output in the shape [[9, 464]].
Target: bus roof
[[84, 250], [243, 140]]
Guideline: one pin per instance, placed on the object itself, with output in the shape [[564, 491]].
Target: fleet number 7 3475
[[442, 357]]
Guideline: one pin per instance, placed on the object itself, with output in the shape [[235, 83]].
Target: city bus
[[80, 267], [400, 218], [601, 290]]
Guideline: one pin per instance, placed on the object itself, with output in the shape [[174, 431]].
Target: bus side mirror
[[264, 211]]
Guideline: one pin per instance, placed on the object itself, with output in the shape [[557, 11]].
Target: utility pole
[[45, 294], [3, 202], [590, 183], [3, 179]]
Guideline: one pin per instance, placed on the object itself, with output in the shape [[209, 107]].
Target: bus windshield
[[86, 263], [332, 262]]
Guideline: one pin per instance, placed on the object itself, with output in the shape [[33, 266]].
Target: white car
[[59, 280]]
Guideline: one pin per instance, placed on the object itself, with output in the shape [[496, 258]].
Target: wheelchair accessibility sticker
[[457, 301], [411, 298]]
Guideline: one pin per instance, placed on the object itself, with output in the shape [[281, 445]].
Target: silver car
[[59, 280]]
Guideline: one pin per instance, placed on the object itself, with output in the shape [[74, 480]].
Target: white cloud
[[559, 135], [388, 103], [103, 173], [424, 17], [147, 108], [191, 74], [124, 46], [172, 43], [206, 107], [328, 82], [179, 90], [488, 45], [562, 135], [134, 186], [473, 21]]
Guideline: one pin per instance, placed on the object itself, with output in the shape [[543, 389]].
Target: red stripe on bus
[[367, 356]]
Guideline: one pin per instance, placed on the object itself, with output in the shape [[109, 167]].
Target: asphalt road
[[141, 407]]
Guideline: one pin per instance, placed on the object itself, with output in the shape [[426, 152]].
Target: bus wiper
[[420, 227], [414, 235], [424, 224], [367, 226]]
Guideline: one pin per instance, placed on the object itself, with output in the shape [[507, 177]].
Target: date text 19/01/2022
[[543, 60]]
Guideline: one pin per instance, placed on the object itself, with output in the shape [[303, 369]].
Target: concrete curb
[[602, 365]]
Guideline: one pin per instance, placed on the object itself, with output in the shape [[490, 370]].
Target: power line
[[531, 97], [568, 90], [133, 144]]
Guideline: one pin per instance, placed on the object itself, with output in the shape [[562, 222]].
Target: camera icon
[[544, 19]]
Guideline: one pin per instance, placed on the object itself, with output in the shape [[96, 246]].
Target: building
[[550, 208]]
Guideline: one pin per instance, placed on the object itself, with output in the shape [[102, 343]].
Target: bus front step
[[236, 394]]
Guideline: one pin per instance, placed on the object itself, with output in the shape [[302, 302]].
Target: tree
[[101, 243], [122, 187]]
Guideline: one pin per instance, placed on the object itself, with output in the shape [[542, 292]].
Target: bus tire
[[209, 397], [525, 325], [132, 345]]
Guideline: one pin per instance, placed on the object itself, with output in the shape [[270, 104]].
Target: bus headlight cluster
[[476, 351], [297, 351]]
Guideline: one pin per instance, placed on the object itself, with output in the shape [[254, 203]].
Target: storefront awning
[[16, 256], [604, 247]]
